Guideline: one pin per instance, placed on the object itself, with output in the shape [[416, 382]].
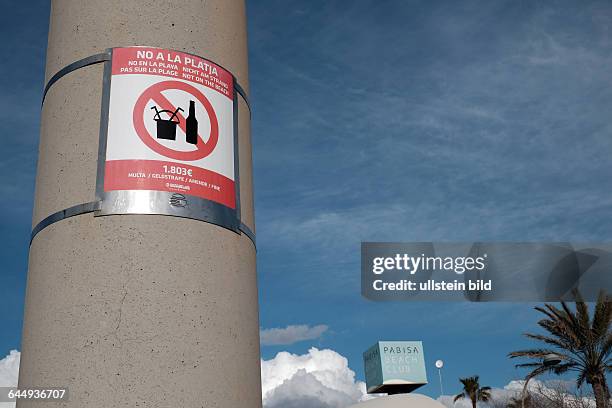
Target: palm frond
[[581, 379], [561, 343], [602, 316], [546, 312], [527, 365], [563, 368], [531, 353], [563, 325], [582, 315]]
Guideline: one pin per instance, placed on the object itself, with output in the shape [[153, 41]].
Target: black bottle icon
[[191, 124]]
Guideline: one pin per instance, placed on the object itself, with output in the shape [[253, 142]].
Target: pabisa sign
[[394, 366], [168, 137]]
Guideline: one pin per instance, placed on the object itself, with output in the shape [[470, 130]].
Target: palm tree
[[579, 343], [473, 391]]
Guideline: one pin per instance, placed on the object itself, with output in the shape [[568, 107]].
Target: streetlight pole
[[439, 365], [548, 360]]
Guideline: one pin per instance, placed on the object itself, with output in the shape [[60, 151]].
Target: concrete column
[[136, 310]]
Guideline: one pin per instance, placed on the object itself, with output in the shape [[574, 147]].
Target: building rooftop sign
[[394, 367]]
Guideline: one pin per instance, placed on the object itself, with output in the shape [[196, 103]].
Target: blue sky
[[390, 121]]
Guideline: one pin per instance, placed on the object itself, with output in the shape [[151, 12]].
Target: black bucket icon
[[166, 128]]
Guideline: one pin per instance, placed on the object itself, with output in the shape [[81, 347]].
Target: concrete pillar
[[136, 310]]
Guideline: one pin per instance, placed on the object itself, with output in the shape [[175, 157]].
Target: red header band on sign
[[172, 64]]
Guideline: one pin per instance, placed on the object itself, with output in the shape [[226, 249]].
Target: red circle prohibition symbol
[[154, 92]]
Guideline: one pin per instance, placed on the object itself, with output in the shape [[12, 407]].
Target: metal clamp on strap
[[60, 215]]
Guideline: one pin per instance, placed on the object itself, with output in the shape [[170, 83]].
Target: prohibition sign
[[154, 92]]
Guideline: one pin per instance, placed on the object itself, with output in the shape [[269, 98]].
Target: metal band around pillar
[[92, 206]]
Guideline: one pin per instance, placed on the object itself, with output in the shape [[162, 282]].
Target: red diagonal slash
[[154, 92]]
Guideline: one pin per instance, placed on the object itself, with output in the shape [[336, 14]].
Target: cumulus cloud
[[291, 334], [9, 371], [318, 379]]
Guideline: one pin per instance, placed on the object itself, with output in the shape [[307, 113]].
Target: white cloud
[[291, 334], [9, 371], [318, 379]]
